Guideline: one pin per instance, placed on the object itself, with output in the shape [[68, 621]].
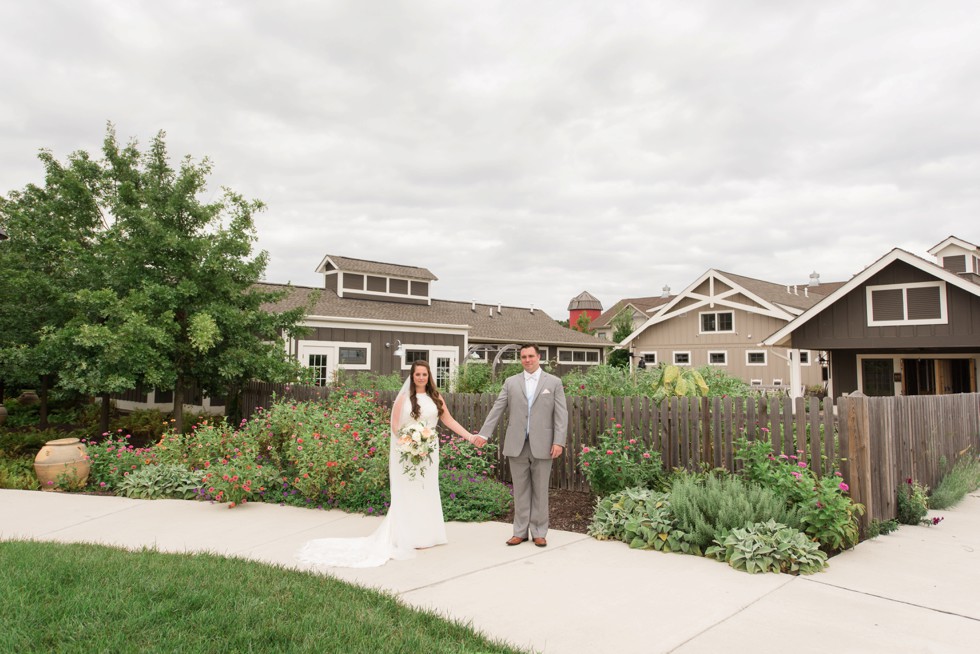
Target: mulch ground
[[569, 510]]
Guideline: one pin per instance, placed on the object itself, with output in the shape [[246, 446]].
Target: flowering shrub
[[619, 461], [913, 503], [827, 514], [113, 458], [331, 448]]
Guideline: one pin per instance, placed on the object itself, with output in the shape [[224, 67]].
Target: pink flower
[[585, 463], [796, 474], [646, 455], [802, 464], [585, 450], [844, 487], [632, 441], [609, 451]]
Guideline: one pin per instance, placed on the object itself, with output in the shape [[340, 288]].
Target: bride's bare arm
[[448, 420], [396, 411]]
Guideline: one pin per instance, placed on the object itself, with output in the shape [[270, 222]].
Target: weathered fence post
[[857, 448]]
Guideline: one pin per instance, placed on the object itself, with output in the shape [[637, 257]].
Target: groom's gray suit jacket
[[549, 416]]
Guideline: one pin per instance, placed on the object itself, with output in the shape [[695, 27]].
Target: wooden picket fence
[[876, 443]]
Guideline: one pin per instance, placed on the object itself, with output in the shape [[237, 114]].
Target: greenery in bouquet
[[416, 443]]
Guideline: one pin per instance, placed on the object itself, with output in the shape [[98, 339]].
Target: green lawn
[[89, 598]]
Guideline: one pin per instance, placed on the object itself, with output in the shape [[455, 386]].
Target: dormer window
[[922, 303], [372, 280]]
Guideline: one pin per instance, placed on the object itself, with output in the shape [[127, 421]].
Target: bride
[[414, 519]]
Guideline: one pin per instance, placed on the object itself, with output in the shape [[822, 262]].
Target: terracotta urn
[[62, 460], [29, 397]]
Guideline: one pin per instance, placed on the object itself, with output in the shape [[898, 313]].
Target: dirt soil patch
[[570, 510]]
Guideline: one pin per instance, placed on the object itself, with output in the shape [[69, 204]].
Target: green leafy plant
[[620, 461], [641, 518], [167, 480], [769, 547], [826, 513], [709, 508], [881, 527], [114, 458], [472, 498], [913, 502], [18, 473], [677, 382], [962, 478]]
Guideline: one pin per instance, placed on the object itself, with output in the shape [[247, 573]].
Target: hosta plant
[[769, 547]]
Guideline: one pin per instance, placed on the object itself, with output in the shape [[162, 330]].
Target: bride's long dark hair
[[430, 389]]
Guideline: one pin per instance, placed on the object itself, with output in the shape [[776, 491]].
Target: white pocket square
[[546, 392]]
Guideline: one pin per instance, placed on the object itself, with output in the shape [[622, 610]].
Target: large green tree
[[50, 255], [120, 273], [195, 259]]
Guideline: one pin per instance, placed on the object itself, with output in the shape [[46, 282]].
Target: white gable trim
[[667, 311], [781, 337]]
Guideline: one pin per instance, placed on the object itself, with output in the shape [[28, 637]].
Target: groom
[[536, 429]]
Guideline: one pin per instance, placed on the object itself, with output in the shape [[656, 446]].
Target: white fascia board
[[780, 337], [323, 263], [378, 324], [952, 240]]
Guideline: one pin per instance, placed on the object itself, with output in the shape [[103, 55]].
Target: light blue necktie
[[529, 385]]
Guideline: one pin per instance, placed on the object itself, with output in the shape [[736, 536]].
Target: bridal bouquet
[[416, 443]]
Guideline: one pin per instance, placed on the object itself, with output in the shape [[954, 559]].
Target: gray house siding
[[844, 325], [383, 360]]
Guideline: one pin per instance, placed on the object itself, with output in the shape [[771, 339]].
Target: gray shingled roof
[[644, 304], [585, 300], [777, 293], [346, 264], [510, 325]]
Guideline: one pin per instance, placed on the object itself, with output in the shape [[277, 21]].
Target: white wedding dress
[[414, 518]]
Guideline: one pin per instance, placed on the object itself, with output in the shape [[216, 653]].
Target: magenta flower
[[844, 487], [585, 450], [802, 464]]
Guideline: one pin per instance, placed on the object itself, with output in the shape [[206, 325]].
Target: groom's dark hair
[[537, 350]]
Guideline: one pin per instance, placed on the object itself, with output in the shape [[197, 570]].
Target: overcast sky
[[527, 151]]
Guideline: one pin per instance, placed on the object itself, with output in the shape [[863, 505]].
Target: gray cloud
[[525, 153]]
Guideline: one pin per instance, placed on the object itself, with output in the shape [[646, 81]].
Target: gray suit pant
[[531, 478]]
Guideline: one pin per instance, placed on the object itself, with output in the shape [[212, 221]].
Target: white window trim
[[717, 331], [578, 363], [755, 382], [765, 357], [941, 320], [434, 351], [724, 353], [690, 359], [809, 358], [777, 382], [644, 355], [304, 348]]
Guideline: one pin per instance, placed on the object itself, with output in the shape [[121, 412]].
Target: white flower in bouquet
[[416, 443]]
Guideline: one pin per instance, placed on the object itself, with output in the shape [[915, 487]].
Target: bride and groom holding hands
[[534, 402]]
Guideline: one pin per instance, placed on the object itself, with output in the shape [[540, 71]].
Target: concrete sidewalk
[[916, 590]]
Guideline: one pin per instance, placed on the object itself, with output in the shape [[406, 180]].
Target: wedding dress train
[[414, 517]]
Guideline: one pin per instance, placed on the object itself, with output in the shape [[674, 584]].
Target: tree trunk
[[2, 389], [43, 411], [104, 414], [233, 405], [179, 406]]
